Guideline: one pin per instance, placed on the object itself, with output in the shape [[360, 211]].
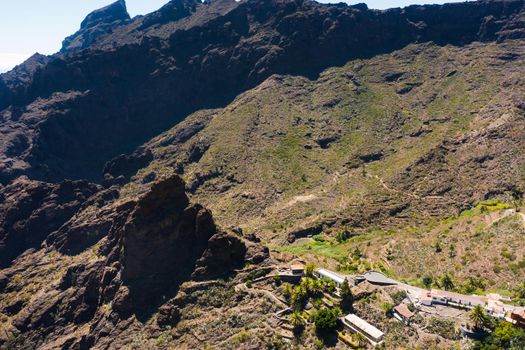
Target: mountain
[[157, 163]]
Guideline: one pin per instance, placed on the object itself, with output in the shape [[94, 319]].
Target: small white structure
[[357, 325], [297, 268], [425, 298], [334, 276], [446, 297]]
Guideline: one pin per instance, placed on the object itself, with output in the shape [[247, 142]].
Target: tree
[[329, 285], [297, 321], [520, 291], [479, 316], [326, 319], [447, 282], [307, 284], [347, 297], [341, 236], [504, 336], [427, 281], [317, 287], [287, 291], [298, 298], [309, 270], [360, 339]]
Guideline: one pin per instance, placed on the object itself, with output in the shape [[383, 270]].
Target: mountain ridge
[[165, 68]]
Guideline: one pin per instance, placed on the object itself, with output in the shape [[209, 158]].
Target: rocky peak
[[97, 23], [109, 14]]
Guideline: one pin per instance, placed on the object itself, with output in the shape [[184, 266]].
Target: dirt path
[[390, 189], [264, 292], [522, 218], [506, 213]]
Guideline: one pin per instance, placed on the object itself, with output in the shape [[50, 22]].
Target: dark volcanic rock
[[148, 247], [128, 165], [31, 210], [96, 24], [148, 74]]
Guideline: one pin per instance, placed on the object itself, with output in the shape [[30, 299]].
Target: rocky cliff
[[119, 263]]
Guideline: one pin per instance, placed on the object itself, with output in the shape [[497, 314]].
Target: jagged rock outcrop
[[31, 210], [96, 24], [153, 244]]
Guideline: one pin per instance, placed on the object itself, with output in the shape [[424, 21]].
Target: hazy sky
[[29, 26]]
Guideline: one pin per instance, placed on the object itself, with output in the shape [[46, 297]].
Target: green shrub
[[342, 236], [387, 307], [442, 327], [398, 296], [427, 281], [326, 319], [504, 336], [277, 280]]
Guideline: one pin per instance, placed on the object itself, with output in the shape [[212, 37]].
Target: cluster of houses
[[492, 303], [352, 322], [517, 317]]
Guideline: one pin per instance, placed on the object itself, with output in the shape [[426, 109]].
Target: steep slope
[[108, 269], [146, 76], [425, 131], [31, 210]]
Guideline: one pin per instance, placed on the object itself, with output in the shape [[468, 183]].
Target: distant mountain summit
[[96, 24]]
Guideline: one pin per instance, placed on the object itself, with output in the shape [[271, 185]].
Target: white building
[[357, 325], [334, 276], [425, 298]]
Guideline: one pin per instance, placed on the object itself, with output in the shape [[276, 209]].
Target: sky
[[29, 26]]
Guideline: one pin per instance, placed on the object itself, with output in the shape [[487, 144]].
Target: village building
[[357, 325], [425, 298], [495, 306], [456, 299], [492, 303], [402, 313], [517, 317], [334, 276], [297, 268]]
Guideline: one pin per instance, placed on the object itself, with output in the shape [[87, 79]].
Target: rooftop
[[364, 326], [297, 266], [403, 310], [520, 312], [464, 299], [330, 274], [378, 278], [425, 295]]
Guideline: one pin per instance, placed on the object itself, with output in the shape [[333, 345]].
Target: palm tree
[[521, 290], [317, 287], [446, 282], [296, 320], [288, 291], [360, 340], [309, 270], [307, 284], [479, 316], [346, 295]]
